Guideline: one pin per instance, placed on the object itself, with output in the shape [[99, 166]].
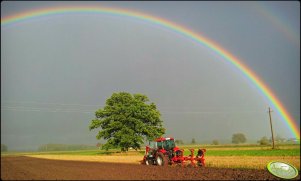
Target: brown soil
[[28, 168]]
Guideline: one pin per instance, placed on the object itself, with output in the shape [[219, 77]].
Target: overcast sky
[[56, 71]]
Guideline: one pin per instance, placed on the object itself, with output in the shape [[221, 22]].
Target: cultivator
[[164, 152]]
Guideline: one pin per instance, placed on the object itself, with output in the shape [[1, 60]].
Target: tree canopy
[[126, 120]]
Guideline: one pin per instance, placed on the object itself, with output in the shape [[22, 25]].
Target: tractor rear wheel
[[161, 159]]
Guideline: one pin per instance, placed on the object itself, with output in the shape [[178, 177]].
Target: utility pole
[[271, 128]]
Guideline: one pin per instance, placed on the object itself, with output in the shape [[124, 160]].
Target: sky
[[56, 71]]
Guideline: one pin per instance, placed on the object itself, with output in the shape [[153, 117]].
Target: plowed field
[[28, 168]]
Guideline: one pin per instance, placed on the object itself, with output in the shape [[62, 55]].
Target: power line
[[235, 108], [212, 112], [37, 110], [46, 103], [163, 109], [45, 109], [41, 109]]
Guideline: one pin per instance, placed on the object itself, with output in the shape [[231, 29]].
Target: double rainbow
[[292, 125]]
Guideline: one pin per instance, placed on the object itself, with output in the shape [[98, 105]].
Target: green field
[[220, 150], [270, 152]]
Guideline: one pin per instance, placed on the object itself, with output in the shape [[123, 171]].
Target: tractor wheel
[[199, 164], [148, 162], [161, 159]]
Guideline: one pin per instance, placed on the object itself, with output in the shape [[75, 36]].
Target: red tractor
[[164, 152]]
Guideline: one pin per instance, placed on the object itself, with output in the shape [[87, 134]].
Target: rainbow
[[279, 23], [292, 125]]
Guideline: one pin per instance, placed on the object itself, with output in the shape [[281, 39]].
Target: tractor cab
[[162, 143], [165, 143]]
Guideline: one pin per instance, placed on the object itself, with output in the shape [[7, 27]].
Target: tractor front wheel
[[161, 159], [148, 162]]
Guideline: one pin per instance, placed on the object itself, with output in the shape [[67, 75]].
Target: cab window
[[159, 144]]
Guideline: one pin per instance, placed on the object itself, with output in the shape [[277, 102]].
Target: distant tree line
[[238, 138], [66, 147], [267, 141], [264, 141], [3, 148], [179, 142], [215, 142]]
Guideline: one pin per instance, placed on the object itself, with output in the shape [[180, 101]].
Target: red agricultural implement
[[164, 152]]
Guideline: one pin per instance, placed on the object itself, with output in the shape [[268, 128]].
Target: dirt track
[[27, 168]]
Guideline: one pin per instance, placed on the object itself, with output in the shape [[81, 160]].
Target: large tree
[[126, 120]]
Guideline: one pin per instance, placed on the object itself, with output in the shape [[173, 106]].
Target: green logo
[[282, 169]]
